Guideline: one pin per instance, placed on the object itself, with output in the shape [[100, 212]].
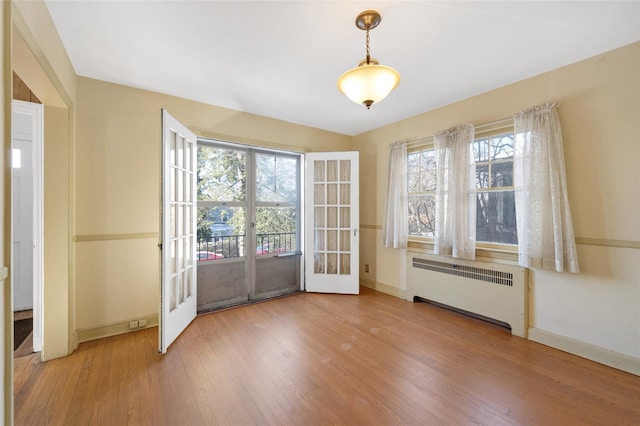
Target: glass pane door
[[332, 222], [248, 224]]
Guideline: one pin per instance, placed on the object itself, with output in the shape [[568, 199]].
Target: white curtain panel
[[545, 229], [395, 228], [455, 232]]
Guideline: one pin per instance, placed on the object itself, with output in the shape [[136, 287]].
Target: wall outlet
[[366, 268], [133, 324], [142, 323]]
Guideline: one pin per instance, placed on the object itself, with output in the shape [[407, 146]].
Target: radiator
[[494, 291]]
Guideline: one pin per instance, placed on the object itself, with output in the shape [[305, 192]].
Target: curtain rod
[[478, 127]]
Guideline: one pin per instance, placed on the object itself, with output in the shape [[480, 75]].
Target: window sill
[[484, 253]]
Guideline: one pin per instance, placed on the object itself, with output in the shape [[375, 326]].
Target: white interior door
[[178, 270], [22, 205], [332, 222]]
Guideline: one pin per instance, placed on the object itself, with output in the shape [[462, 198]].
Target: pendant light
[[369, 82]]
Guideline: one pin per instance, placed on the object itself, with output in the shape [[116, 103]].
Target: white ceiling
[[281, 59]]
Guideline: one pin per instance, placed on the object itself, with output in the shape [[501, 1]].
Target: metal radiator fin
[[482, 274]]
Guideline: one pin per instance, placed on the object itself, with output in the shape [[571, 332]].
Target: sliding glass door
[[248, 224]]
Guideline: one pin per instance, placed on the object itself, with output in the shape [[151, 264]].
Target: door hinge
[[160, 246]]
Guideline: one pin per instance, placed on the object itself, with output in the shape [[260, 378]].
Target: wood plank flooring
[[325, 359]]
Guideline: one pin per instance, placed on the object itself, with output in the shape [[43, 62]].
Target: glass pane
[[345, 217], [502, 147], [181, 285], [318, 171], [173, 259], [318, 241], [332, 194], [428, 170], [480, 150], [276, 178], [187, 186], [413, 182], [332, 263], [345, 264], [345, 194], [188, 220], [187, 154], [345, 240], [179, 255], [496, 217], [173, 292], [332, 217], [318, 193], [188, 252], [179, 222], [172, 184], [502, 174], [319, 217], [221, 174], [172, 221], [276, 230], [412, 161], [332, 170], [422, 215], [482, 176], [318, 263], [188, 284], [179, 185], [345, 170], [220, 232], [172, 149], [332, 240], [180, 151]]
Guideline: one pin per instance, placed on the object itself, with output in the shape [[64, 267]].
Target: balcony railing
[[230, 246]]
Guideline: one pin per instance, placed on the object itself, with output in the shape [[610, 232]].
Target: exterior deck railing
[[229, 246]]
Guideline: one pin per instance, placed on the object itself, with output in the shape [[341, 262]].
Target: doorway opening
[[27, 149], [248, 224]]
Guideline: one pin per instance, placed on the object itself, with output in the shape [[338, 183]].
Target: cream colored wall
[[56, 232], [38, 45], [600, 114], [118, 195]]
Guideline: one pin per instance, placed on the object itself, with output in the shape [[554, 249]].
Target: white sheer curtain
[[545, 230], [395, 228], [455, 232]]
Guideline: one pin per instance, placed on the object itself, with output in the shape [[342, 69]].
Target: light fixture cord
[[368, 49]]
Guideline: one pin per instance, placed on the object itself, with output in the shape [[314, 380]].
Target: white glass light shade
[[368, 84]]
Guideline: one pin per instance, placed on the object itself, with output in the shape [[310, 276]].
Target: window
[[421, 187], [495, 209], [495, 213], [224, 206]]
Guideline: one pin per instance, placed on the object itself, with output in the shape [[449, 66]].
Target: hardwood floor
[[314, 359]]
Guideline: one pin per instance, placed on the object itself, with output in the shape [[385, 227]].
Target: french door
[[332, 222], [178, 263], [231, 225], [248, 224]]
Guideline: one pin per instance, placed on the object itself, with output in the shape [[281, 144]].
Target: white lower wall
[[599, 306]]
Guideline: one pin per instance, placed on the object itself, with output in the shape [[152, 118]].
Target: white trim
[[384, 288], [37, 112], [586, 350]]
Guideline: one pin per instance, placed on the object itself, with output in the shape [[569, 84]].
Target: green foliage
[[222, 178]]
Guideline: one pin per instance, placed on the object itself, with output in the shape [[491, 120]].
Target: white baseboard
[[102, 331], [383, 288], [586, 350]]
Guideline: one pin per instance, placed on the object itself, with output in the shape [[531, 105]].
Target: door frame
[[250, 203], [36, 111], [338, 283]]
